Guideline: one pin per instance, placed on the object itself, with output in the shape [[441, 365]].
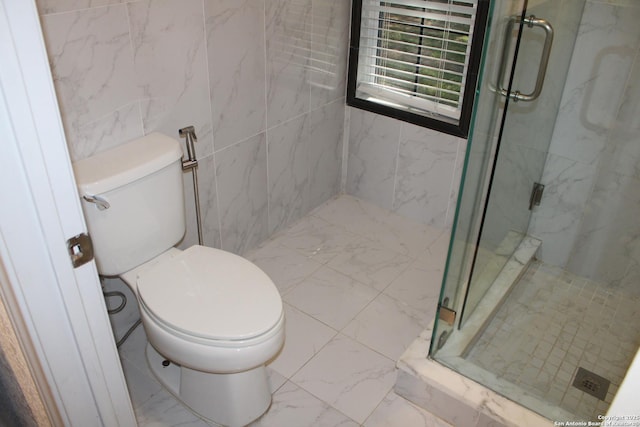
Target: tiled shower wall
[[529, 125], [262, 81], [588, 220]]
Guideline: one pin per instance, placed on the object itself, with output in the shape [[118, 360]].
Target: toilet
[[213, 319]]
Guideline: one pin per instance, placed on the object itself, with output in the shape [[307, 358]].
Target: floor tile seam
[[369, 348], [302, 310], [400, 273], [298, 282], [351, 339], [318, 350], [355, 279], [373, 411], [342, 274], [341, 330], [364, 423], [330, 404], [277, 388], [288, 379], [401, 303], [351, 319], [322, 400], [317, 320]]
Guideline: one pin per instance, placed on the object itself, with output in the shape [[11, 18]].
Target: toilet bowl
[[213, 319], [208, 309], [196, 313]]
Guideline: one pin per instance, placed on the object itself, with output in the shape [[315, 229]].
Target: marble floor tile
[[317, 239], [434, 256], [331, 276], [387, 228], [349, 376], [304, 337], [141, 385], [285, 266], [276, 380], [164, 410], [370, 263], [295, 407], [387, 326], [331, 297], [346, 210], [418, 288], [133, 349], [152, 404], [395, 411]]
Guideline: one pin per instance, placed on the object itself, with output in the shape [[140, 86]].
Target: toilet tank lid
[[125, 163]]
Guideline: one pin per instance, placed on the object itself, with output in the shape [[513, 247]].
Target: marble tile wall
[[529, 125], [588, 220], [262, 81], [407, 169]]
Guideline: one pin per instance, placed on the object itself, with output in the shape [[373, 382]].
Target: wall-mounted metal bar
[[191, 162]]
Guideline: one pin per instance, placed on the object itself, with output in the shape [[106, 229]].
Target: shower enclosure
[[542, 286]]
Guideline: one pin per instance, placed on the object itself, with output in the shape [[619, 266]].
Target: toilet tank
[[141, 182]]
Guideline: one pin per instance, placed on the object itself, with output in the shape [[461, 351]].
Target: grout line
[[133, 65], [213, 146], [395, 169], [266, 114]]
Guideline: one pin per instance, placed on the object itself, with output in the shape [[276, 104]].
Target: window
[[417, 60]]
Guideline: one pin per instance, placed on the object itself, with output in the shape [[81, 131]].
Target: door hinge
[[447, 315], [80, 249], [536, 195]]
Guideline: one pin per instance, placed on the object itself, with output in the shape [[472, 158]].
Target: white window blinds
[[414, 54]]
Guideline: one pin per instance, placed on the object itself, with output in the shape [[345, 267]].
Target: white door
[[63, 323]]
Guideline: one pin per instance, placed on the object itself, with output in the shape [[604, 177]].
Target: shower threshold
[[444, 386], [462, 340]]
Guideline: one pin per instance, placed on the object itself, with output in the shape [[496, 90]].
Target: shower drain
[[591, 383]]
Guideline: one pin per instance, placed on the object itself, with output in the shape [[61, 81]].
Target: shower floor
[[554, 322]]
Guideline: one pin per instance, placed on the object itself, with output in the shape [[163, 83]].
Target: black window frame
[[440, 123]]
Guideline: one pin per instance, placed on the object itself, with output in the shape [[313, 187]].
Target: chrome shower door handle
[[531, 22]]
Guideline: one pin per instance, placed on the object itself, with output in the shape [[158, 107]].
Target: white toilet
[[216, 316]]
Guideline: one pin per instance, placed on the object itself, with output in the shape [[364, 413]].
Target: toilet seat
[[235, 343], [205, 294]]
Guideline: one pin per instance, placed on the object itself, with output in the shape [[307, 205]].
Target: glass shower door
[[488, 116], [525, 67], [521, 150]]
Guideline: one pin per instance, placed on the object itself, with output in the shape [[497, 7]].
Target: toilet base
[[232, 400]]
